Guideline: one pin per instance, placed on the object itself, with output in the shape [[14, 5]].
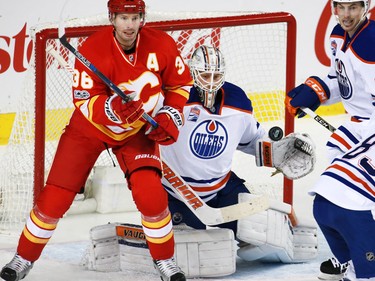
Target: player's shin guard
[[152, 201], [51, 205], [36, 234], [159, 235]]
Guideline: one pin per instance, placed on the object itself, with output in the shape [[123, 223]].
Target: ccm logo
[[315, 85]]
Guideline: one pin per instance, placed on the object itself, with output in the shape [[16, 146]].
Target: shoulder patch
[[338, 31], [234, 96], [363, 45]]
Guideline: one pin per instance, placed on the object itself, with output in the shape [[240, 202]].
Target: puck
[[275, 133]]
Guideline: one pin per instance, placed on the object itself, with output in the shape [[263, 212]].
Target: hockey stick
[[90, 66], [318, 119], [59, 58], [205, 213]]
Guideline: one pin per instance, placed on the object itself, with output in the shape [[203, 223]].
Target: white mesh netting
[[256, 60]]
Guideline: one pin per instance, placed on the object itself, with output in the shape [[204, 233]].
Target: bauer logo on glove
[[169, 121]]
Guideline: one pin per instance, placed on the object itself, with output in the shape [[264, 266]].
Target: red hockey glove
[[121, 112], [170, 120], [310, 94]]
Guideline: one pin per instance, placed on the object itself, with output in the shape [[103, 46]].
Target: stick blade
[[245, 209], [214, 216]]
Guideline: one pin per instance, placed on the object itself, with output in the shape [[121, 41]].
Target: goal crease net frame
[[31, 141]]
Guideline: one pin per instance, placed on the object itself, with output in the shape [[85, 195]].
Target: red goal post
[[260, 50]]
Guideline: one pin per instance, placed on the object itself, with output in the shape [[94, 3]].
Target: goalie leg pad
[[272, 238], [199, 253], [134, 251], [103, 253], [269, 234], [305, 241], [206, 253]]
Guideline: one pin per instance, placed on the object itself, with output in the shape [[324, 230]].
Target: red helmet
[[126, 6]]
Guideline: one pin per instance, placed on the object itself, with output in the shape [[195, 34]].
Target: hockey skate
[[168, 270], [332, 269], [16, 269]]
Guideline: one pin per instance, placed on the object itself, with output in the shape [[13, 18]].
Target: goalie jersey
[[349, 181], [206, 144], [351, 78]]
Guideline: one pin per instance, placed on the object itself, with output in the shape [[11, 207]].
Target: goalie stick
[[318, 119], [205, 213], [63, 40]]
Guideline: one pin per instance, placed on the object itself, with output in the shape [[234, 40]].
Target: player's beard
[[126, 38]]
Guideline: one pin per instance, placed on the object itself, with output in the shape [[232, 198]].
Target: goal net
[[259, 49]]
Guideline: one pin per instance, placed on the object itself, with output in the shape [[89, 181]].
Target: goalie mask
[[207, 67], [127, 7], [366, 7]]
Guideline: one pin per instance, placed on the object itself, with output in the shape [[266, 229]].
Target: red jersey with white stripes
[[147, 74]]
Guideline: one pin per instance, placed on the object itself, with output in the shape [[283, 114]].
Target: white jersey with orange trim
[[207, 142], [351, 78], [349, 181]]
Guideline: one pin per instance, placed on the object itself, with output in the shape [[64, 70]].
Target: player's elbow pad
[[310, 94]]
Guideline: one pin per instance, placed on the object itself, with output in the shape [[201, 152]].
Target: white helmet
[[366, 4], [207, 67]]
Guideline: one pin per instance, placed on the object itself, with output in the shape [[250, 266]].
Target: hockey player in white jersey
[[219, 121], [344, 204], [351, 80]]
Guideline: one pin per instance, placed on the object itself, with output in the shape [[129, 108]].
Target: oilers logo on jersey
[[346, 89], [209, 139]]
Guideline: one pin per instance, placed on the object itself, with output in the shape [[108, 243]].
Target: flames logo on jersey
[[345, 86], [209, 139]]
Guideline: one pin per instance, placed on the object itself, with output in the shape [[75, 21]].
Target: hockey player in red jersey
[[147, 66], [350, 80]]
